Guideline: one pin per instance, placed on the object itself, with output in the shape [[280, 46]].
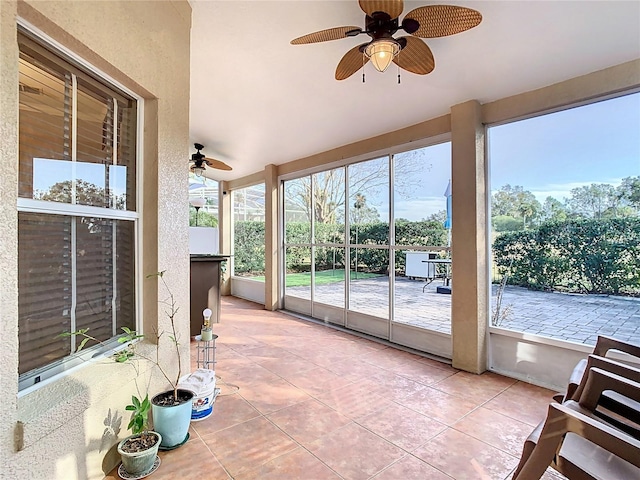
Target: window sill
[[54, 403]]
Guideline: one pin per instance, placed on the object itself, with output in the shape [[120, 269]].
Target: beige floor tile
[[402, 426], [317, 380], [308, 420], [228, 410], [524, 402], [355, 400], [477, 387], [268, 397], [355, 453], [410, 468], [439, 405], [248, 445], [423, 372], [298, 464], [497, 430], [465, 458]]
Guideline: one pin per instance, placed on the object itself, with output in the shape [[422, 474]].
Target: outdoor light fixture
[[198, 171], [197, 203], [205, 332], [381, 52]]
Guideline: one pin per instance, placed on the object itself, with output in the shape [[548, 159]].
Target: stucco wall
[[59, 431]]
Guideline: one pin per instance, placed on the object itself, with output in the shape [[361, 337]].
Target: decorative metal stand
[[206, 350]]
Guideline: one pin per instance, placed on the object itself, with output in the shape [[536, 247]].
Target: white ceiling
[[256, 99]]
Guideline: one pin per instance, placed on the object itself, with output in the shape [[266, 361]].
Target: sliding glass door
[[345, 231]]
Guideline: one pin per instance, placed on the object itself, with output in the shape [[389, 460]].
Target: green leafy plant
[[139, 414], [129, 336], [596, 256]]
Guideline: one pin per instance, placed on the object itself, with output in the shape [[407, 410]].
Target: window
[[248, 231], [76, 209], [565, 217], [347, 228], [203, 188]]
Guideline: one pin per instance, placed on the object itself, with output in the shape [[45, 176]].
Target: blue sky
[[551, 154], [432, 182], [547, 155]]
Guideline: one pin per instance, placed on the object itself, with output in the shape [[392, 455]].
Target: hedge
[[249, 259], [582, 256]]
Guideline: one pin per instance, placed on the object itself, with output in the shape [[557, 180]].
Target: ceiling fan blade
[[415, 57], [392, 7], [352, 61], [335, 33], [217, 164], [443, 20]]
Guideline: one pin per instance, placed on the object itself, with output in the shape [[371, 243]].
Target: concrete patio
[[572, 317]]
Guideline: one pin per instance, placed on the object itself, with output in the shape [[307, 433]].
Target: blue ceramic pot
[[172, 421]]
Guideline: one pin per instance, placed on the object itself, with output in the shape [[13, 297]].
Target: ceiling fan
[[199, 162], [382, 22]]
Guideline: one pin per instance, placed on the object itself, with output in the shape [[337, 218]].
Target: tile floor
[[303, 401]]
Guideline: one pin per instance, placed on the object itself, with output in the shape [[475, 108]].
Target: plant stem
[[171, 315]]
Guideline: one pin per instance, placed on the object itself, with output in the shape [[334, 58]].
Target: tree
[[553, 210], [593, 201], [439, 216], [505, 223], [361, 212], [515, 202], [629, 192], [327, 204], [86, 193]]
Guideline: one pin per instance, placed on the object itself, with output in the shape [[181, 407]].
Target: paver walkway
[[572, 317]]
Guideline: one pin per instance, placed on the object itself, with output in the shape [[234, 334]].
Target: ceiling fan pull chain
[[398, 70], [363, 64]]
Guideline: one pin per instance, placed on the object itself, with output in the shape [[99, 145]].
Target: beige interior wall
[[58, 431]]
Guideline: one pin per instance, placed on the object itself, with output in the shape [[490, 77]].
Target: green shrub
[[249, 241], [248, 256], [205, 219], [586, 256]]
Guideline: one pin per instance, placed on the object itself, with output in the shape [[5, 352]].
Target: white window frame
[[49, 373]]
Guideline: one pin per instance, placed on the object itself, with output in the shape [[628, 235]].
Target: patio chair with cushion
[[586, 453]]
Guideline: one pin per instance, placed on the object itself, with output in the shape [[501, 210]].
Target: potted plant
[[171, 410], [139, 450]]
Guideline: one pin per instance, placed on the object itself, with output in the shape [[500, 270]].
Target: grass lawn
[[322, 278]]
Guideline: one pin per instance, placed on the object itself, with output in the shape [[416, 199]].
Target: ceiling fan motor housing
[[381, 25], [198, 157]]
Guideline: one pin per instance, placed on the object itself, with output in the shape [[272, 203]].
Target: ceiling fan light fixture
[[199, 171], [381, 52]]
